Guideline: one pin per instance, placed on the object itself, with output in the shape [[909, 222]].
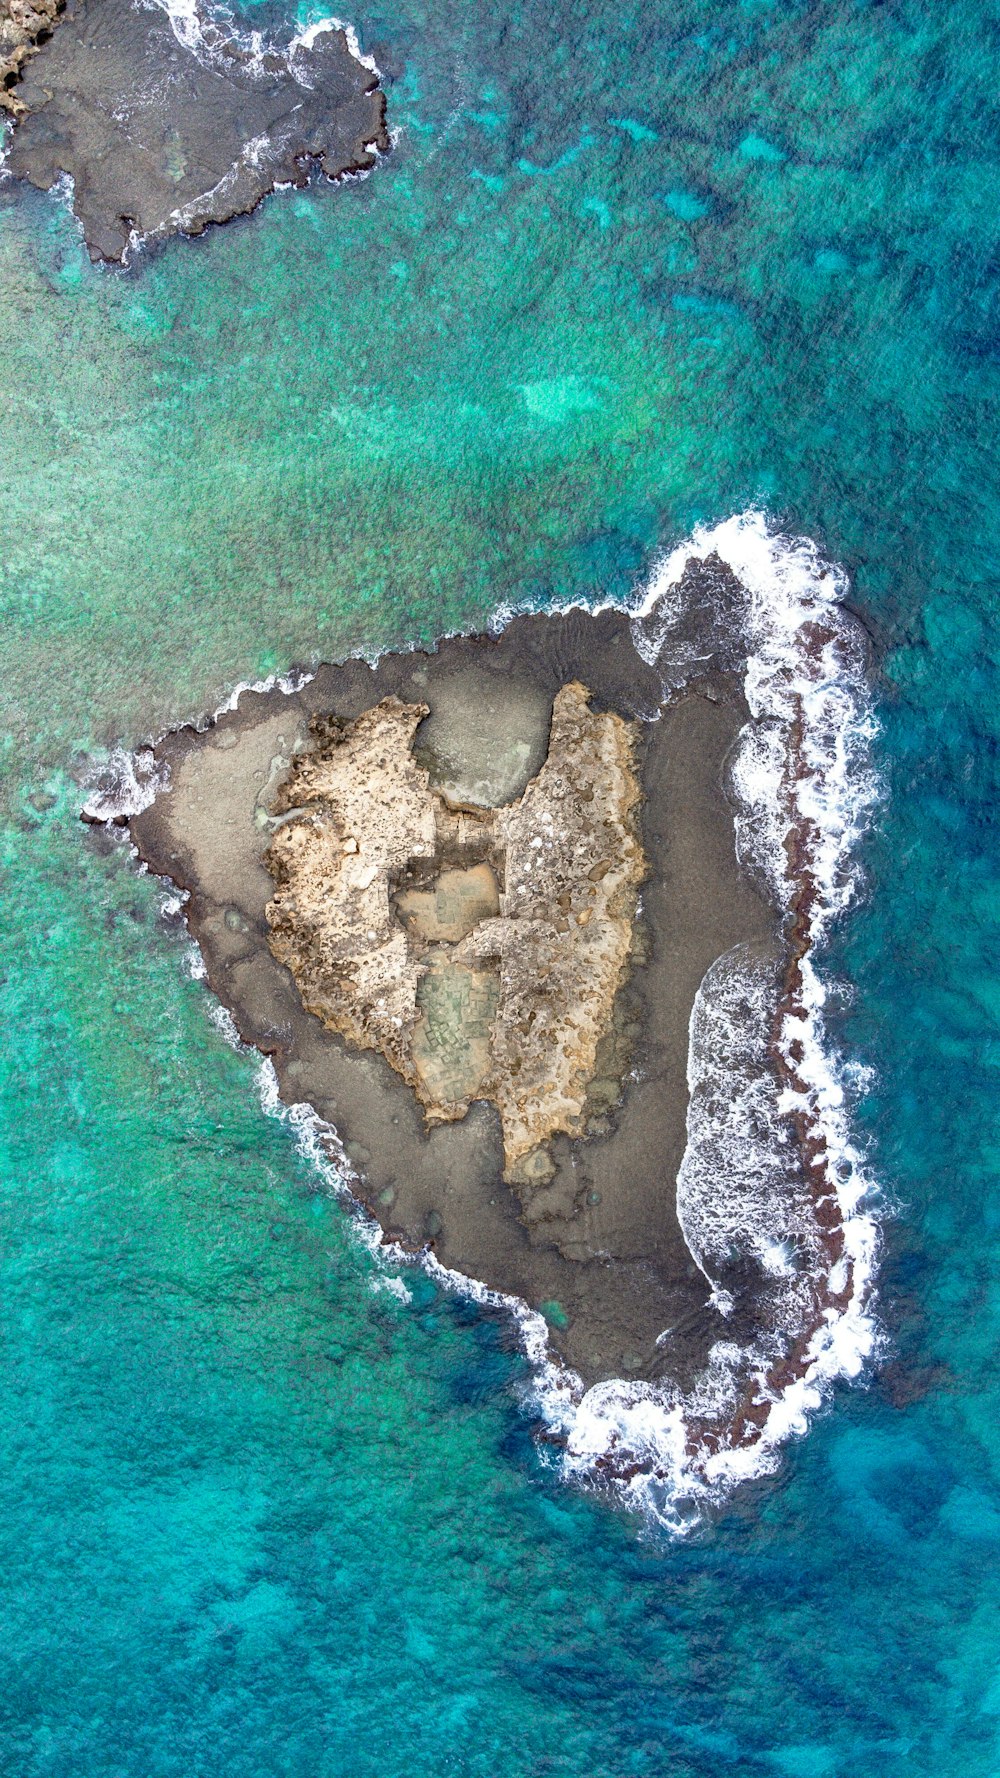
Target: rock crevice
[[25, 25]]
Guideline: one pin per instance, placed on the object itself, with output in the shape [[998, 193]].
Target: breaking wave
[[211, 34], [772, 1193]]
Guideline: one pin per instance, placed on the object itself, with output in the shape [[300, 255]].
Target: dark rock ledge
[[165, 125]]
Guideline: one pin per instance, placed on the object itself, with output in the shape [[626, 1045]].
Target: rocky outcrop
[[598, 1244], [167, 121], [478, 949], [24, 26]]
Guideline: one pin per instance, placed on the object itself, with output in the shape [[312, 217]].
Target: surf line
[[805, 788], [208, 30]]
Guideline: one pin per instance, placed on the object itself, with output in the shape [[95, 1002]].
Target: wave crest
[[772, 1191]]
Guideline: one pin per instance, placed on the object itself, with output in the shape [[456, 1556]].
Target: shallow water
[[625, 271]]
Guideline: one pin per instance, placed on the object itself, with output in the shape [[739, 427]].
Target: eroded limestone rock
[[24, 26], [478, 949]]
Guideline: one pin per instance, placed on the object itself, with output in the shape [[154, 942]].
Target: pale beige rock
[[573, 865], [359, 810], [388, 914], [24, 26]]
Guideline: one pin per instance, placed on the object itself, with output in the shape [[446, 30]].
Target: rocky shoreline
[[588, 1231], [165, 125], [25, 25]]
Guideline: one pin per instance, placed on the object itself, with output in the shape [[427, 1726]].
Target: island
[[167, 120], [526, 925], [465, 901]]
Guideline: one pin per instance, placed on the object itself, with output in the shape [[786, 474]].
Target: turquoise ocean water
[[628, 269]]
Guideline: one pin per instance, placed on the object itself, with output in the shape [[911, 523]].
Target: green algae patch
[[554, 1314]]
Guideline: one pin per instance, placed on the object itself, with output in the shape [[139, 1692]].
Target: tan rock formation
[[573, 864], [24, 27], [357, 811], [478, 949]]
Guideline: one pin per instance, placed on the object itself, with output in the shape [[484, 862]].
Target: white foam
[[306, 39], [120, 784], [740, 1188], [736, 1132], [206, 31]]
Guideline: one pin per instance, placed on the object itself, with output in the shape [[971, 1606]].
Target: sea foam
[[207, 30], [804, 789]]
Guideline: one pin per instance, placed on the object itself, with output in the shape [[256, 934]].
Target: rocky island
[[525, 927], [168, 121], [465, 901]]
